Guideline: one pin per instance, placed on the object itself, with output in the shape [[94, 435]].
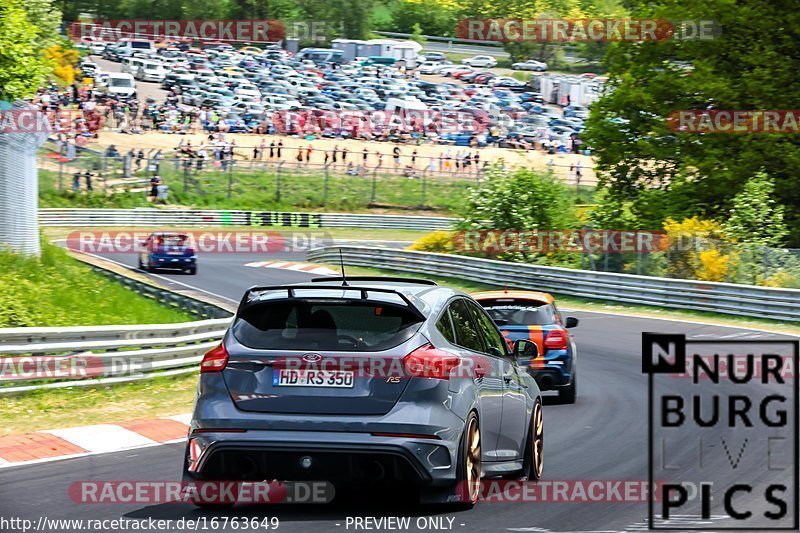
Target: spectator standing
[[155, 181]]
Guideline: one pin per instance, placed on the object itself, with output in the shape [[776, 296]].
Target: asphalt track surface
[[601, 437]]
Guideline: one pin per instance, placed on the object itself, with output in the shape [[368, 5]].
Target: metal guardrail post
[[424, 187], [278, 182], [230, 179], [326, 177]]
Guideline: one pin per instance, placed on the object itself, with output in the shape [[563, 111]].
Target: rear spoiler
[[290, 294]]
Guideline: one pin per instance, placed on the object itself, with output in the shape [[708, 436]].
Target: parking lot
[[269, 91]]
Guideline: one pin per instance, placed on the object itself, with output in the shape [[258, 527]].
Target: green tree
[[752, 64], [522, 199], [755, 217], [416, 34], [434, 18], [22, 66]]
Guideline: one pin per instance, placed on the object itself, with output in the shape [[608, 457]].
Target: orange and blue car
[[534, 316]]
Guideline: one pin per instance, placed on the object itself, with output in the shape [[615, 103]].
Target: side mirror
[[525, 350], [571, 322]]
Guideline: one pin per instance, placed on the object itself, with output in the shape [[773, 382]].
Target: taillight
[[214, 360], [429, 362], [556, 340]]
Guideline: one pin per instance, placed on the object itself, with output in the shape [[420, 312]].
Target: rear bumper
[[416, 441], [554, 371], [172, 262], [342, 458]]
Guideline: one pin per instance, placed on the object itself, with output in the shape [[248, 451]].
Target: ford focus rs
[[368, 381]]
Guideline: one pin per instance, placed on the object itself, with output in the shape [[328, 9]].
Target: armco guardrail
[[740, 300], [107, 354], [198, 217], [114, 354]]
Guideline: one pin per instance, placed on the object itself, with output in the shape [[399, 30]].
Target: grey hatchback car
[[362, 382]]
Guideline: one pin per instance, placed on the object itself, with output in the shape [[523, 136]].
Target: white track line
[[102, 438]]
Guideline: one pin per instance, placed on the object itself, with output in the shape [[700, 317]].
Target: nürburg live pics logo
[[722, 435]]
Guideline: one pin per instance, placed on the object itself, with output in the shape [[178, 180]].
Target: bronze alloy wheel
[[473, 460], [537, 442]]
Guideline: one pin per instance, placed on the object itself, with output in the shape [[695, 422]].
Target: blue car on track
[[167, 251]]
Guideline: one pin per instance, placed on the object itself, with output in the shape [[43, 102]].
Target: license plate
[[313, 378]]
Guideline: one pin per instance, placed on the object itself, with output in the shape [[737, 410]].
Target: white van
[[122, 86], [130, 46]]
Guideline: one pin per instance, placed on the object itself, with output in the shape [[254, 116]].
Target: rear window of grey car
[[337, 326]]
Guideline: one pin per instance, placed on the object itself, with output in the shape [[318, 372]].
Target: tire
[[533, 461], [141, 266], [468, 476], [192, 271], [569, 393]]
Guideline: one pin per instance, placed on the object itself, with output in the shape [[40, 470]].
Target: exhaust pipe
[[244, 467], [376, 470]]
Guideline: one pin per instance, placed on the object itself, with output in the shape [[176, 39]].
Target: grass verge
[[55, 409], [260, 190], [57, 290]]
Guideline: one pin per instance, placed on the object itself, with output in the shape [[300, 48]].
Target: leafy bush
[[436, 241], [713, 265], [686, 239], [519, 200], [756, 218], [784, 280]]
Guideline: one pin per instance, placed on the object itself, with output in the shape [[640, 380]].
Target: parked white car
[[150, 71], [530, 64], [480, 61], [430, 68]]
